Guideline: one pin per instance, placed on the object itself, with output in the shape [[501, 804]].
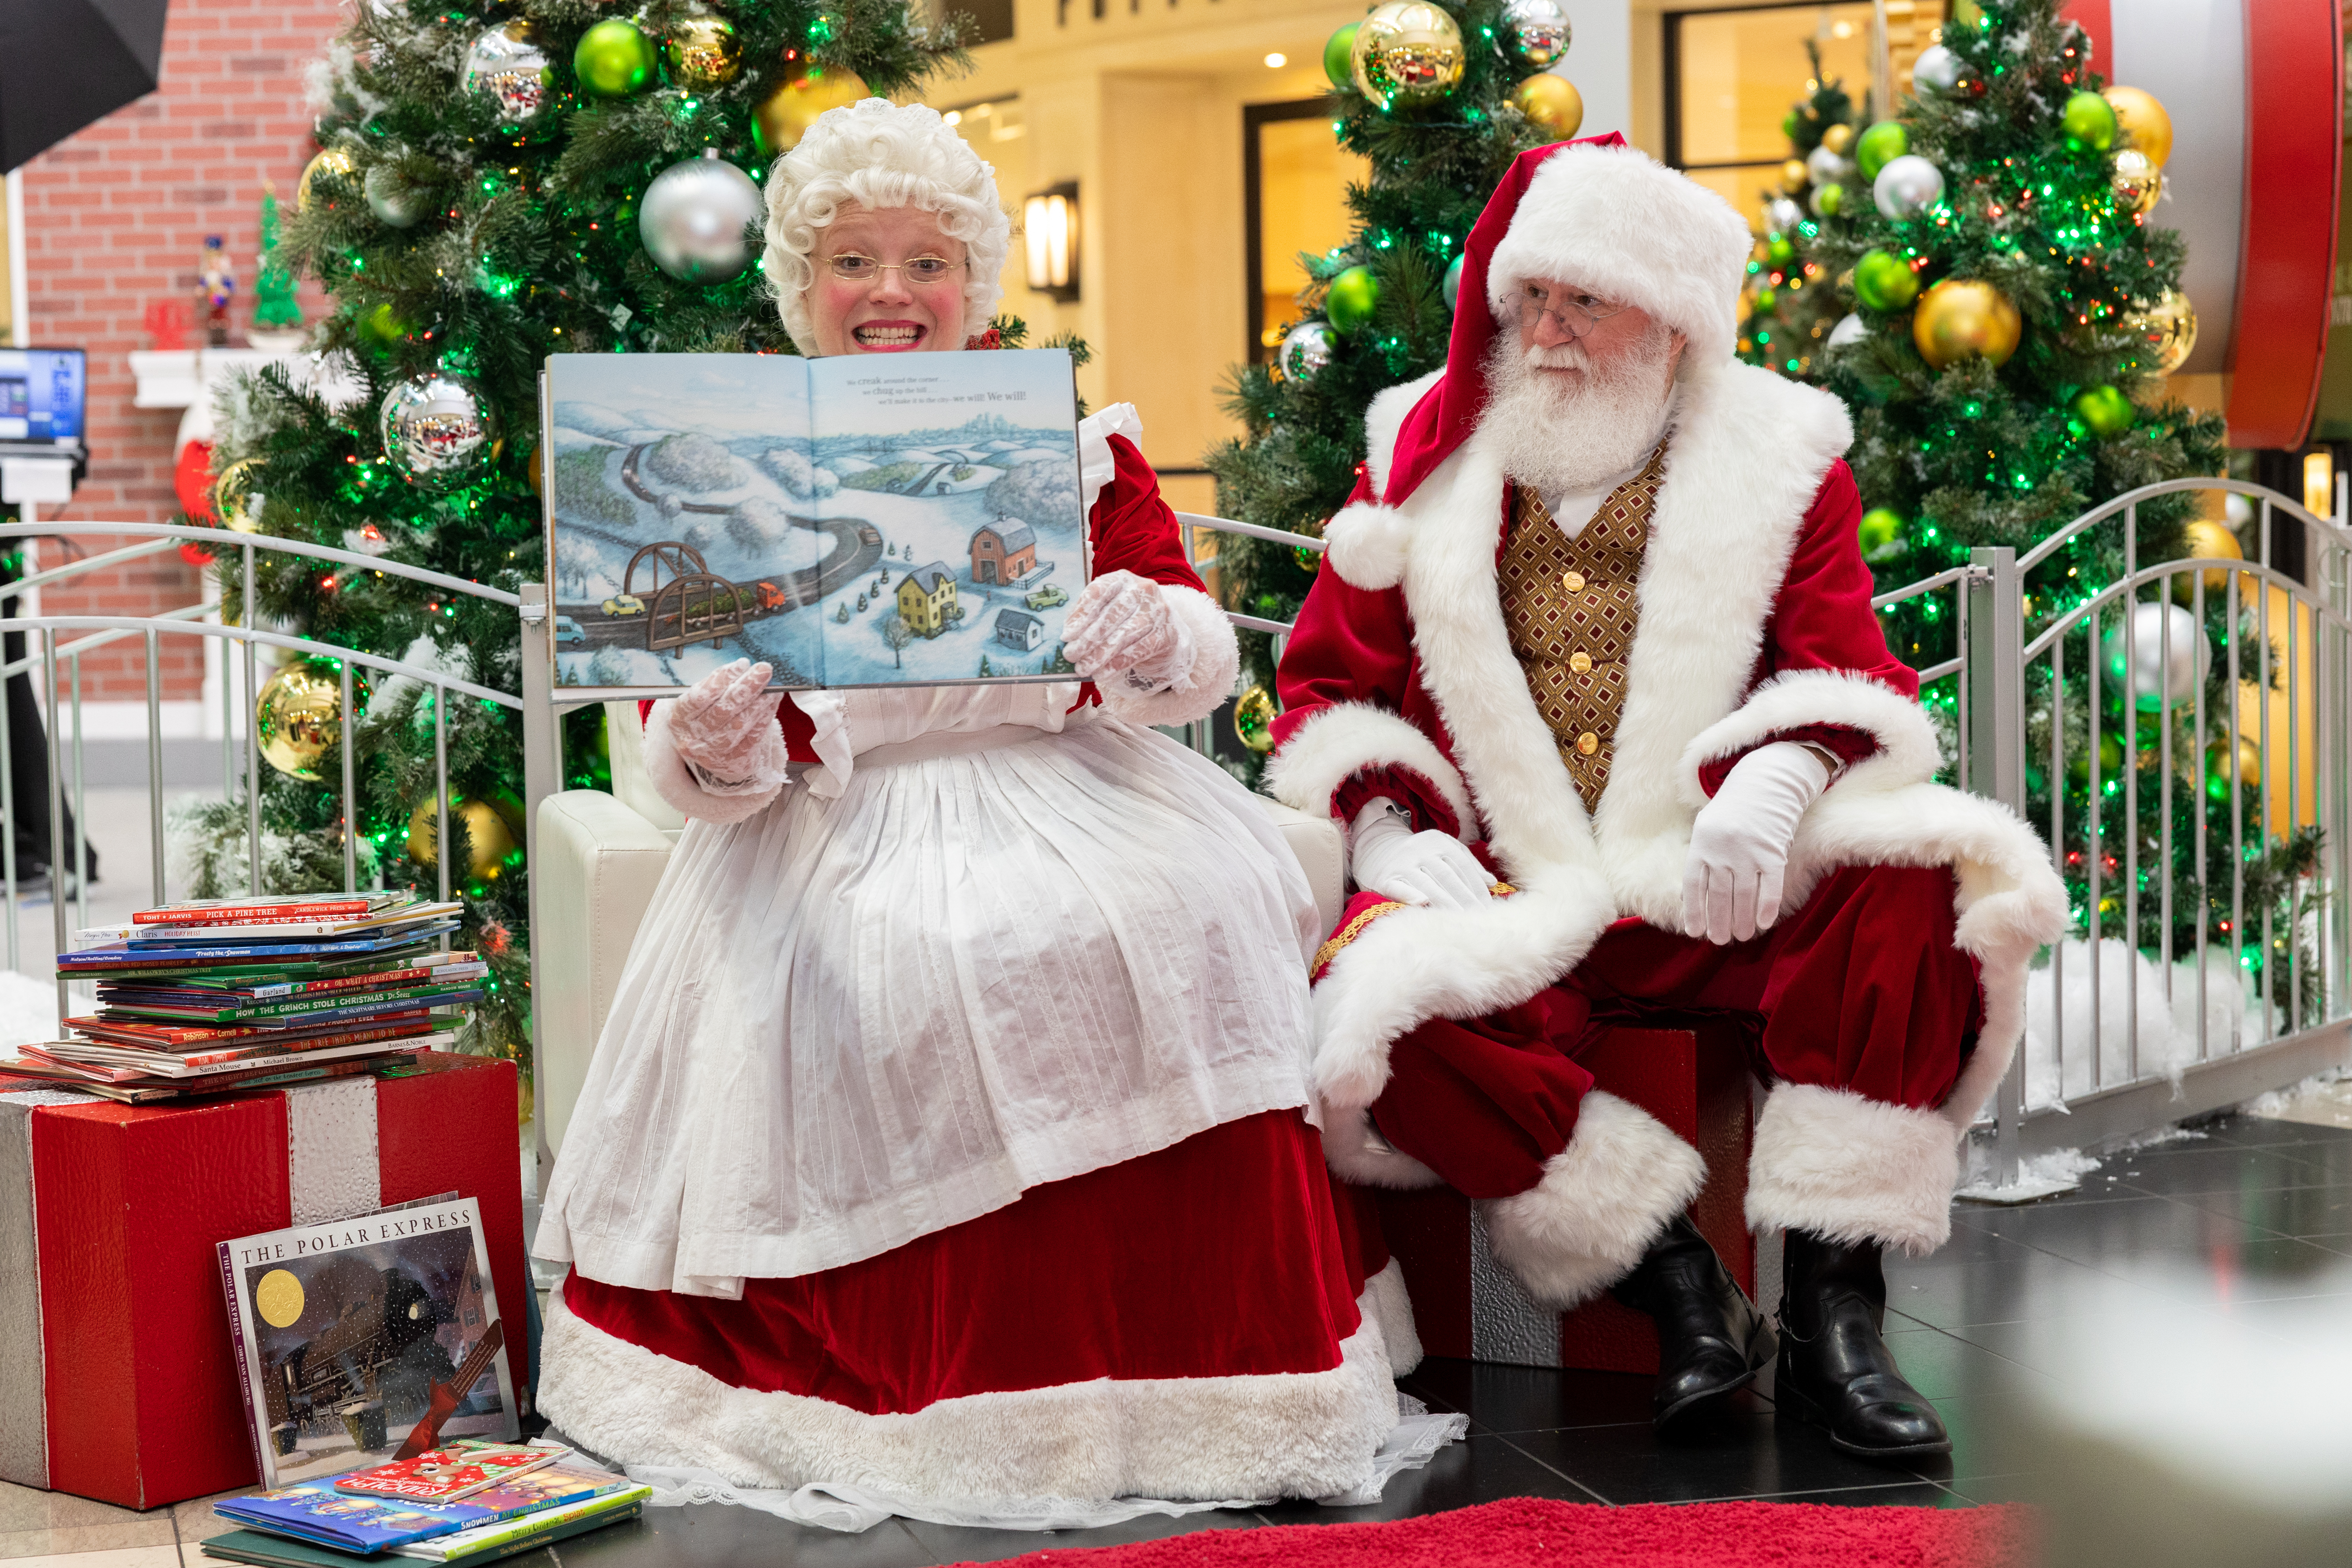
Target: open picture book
[[867, 521]]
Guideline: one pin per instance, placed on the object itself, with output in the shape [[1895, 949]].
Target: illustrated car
[[1046, 597], [769, 596], [568, 630], [624, 605]]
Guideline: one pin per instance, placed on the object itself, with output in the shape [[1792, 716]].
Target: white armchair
[[600, 856]]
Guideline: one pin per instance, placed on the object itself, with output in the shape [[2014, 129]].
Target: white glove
[[1739, 845], [1386, 856], [724, 728], [1121, 626]]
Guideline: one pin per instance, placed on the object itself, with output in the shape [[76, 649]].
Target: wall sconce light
[[2319, 483], [1049, 222]]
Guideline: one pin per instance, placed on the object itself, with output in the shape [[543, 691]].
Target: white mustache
[[1569, 355]]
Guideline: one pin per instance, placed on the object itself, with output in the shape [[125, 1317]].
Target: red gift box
[[119, 1379], [1464, 1304]]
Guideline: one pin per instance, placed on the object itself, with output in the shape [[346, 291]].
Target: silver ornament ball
[[1826, 167], [1783, 215], [508, 63], [1450, 286], [394, 206], [1848, 331], [1937, 70], [2156, 670], [1539, 30], [1307, 350], [435, 428], [695, 218], [1907, 186]]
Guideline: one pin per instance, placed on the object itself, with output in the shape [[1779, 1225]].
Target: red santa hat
[[1603, 215]]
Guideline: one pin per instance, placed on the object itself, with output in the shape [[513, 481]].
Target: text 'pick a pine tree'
[[498, 182], [1439, 99]]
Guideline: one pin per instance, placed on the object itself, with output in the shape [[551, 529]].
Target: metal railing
[[57, 658], [2175, 859]]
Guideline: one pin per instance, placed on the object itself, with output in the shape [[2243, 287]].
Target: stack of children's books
[[462, 1503], [201, 998]]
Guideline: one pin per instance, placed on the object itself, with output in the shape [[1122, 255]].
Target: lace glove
[[724, 729], [1121, 626], [1385, 855], [1739, 845]]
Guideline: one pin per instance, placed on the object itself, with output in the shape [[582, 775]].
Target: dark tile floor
[[2248, 1215]]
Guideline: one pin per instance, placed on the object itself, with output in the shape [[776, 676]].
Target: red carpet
[[1526, 1532]]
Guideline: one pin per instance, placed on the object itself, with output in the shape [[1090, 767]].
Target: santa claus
[[1593, 679]]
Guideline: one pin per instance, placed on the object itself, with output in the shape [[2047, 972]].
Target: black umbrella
[[65, 63]]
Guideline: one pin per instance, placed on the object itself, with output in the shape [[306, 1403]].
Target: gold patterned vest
[[1571, 609]]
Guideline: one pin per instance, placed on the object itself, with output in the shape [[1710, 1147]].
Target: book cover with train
[[867, 521]]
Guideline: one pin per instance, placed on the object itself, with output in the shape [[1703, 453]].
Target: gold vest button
[[1579, 661], [1588, 742], [1572, 581]]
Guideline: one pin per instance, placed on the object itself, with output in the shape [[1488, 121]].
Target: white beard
[[1564, 435]]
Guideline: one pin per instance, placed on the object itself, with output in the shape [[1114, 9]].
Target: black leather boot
[[1711, 1337], [1836, 1370]]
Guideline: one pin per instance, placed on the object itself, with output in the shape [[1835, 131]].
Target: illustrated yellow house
[[927, 599]]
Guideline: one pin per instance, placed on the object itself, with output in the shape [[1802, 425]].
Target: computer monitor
[[42, 393]]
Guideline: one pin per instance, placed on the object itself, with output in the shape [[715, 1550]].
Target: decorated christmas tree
[[2004, 317], [497, 181], [274, 307], [1439, 99]]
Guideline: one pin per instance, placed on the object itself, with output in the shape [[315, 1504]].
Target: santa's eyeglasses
[[852, 267], [1575, 311]]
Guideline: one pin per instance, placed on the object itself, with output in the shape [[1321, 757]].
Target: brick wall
[[115, 218]]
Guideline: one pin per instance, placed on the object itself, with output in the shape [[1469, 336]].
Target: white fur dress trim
[[1849, 1169], [1601, 1201], [1196, 693], [1299, 1434]]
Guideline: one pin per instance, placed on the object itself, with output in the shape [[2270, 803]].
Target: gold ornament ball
[[2167, 330], [1838, 138], [2143, 120], [297, 717], [2218, 755], [1253, 719], [489, 837], [2136, 181], [779, 119], [1553, 102], [235, 501], [334, 161], [1408, 53], [704, 51], [2209, 541], [1795, 176], [1960, 317]]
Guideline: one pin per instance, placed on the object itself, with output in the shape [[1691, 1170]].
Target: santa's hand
[[1739, 845], [1386, 856], [725, 729], [1121, 626]]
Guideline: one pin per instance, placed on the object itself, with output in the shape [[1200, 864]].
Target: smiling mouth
[[886, 336]]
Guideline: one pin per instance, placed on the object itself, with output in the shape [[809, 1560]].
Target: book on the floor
[[171, 1049], [342, 1005], [239, 986], [285, 922], [317, 1511], [108, 1061], [174, 965], [367, 1340], [143, 1090], [485, 1544], [451, 1473], [911, 520], [124, 952], [307, 906]]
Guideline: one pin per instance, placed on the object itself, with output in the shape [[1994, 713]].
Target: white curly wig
[[880, 154]]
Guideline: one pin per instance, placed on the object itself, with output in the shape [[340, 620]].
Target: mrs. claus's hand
[[1121, 626], [725, 724]]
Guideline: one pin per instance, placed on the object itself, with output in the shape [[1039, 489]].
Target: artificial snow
[[2168, 1035]]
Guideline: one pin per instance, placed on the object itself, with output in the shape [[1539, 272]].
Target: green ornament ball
[[379, 328], [1790, 123], [1779, 250], [1879, 146], [1765, 301], [1828, 200], [613, 60], [2104, 410], [1881, 530], [1884, 282], [1353, 296], [1338, 50], [2089, 121]]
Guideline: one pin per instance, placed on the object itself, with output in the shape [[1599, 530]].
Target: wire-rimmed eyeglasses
[[851, 267], [1575, 311]]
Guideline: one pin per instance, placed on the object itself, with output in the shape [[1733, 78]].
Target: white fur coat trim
[[1851, 1170], [1365, 543], [1301, 1435], [667, 772], [1601, 1201], [1340, 743], [1195, 694], [1383, 417]]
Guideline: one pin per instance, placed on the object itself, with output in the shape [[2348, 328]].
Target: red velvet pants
[[1859, 989]]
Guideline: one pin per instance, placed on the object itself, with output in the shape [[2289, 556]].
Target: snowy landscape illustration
[[854, 522]]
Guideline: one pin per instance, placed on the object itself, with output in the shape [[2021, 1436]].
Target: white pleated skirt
[[996, 961]]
